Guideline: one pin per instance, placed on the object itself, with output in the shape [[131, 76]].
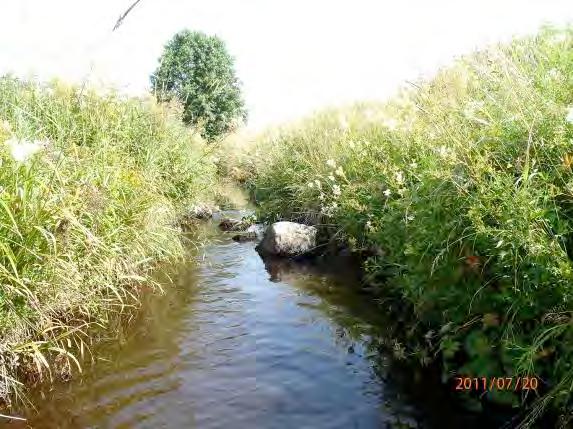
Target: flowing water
[[239, 343]]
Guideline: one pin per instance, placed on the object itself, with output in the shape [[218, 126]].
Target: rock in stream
[[288, 239]]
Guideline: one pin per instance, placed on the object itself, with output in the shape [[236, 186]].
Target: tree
[[197, 69]]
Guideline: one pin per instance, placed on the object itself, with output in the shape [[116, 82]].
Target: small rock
[[252, 233], [257, 230], [288, 239], [241, 238], [228, 224], [202, 211]]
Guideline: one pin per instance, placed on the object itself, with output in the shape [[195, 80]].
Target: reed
[[91, 187], [463, 186]]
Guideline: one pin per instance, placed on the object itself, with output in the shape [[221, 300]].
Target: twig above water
[[122, 16], [12, 417]]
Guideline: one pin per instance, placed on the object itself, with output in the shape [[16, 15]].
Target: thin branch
[[122, 17], [12, 417]]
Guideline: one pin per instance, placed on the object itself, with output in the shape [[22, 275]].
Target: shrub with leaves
[[197, 70]]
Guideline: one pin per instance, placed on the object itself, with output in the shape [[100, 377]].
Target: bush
[[465, 183], [90, 189], [197, 70]]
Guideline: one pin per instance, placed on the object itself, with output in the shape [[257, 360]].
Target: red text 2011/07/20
[[496, 383]]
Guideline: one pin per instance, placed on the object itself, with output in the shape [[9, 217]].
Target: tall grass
[[84, 218], [463, 187]]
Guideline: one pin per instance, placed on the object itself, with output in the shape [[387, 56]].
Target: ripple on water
[[235, 343]]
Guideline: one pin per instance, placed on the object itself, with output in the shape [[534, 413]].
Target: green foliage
[[465, 183], [90, 190], [197, 70]]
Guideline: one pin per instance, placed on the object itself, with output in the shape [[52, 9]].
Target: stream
[[235, 342]]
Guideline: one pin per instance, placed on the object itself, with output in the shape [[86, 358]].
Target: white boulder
[[288, 239]]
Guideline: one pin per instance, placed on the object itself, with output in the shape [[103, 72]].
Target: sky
[[293, 56]]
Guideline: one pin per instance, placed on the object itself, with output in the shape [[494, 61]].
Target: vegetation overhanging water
[[458, 191], [244, 342]]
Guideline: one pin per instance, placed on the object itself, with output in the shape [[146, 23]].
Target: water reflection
[[243, 343]]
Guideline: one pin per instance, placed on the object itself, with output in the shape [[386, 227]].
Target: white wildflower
[[554, 74], [336, 190], [321, 197], [331, 163], [569, 117], [391, 124], [317, 183], [410, 217], [343, 122], [328, 210], [387, 193], [414, 165], [471, 111], [399, 177], [310, 185], [22, 150], [56, 155], [559, 38], [442, 151], [332, 178], [369, 226], [339, 172], [472, 108]]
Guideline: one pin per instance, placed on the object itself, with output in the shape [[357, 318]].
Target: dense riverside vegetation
[[91, 187], [461, 188]]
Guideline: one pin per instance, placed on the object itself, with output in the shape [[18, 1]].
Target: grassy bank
[[91, 187], [463, 188]]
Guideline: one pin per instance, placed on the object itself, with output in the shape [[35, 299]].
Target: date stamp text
[[482, 384]]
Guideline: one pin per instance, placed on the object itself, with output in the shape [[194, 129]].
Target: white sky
[[293, 56]]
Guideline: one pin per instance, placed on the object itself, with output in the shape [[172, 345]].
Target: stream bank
[[236, 341]]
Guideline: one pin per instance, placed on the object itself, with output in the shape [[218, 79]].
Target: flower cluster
[[569, 117], [554, 74], [445, 152], [558, 38], [5, 126], [22, 150], [399, 182], [331, 182]]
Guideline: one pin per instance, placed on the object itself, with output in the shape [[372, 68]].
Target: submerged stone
[[228, 224]]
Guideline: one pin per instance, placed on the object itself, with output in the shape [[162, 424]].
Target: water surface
[[239, 343]]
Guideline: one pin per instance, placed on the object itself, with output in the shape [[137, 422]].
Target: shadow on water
[[237, 342]]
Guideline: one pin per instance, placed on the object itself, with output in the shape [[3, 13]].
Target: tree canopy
[[197, 70]]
